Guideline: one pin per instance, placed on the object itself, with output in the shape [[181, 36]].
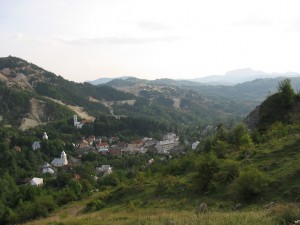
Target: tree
[[241, 136], [286, 91]]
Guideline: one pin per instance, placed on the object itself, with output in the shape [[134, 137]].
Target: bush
[[208, 166], [94, 205], [167, 185], [241, 136], [110, 180], [228, 172], [249, 185], [220, 148]]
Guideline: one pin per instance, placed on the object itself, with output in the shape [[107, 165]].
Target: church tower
[[63, 157], [75, 120], [45, 136]]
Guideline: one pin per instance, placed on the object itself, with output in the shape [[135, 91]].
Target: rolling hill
[[163, 99]]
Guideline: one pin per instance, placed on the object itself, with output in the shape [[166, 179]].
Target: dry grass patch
[[161, 217]]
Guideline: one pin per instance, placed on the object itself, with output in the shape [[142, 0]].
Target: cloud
[[252, 21], [153, 26], [18, 36], [114, 40], [295, 25]]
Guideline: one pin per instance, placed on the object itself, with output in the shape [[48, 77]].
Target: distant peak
[[244, 72]]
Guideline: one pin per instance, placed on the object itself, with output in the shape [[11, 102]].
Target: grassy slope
[[115, 216], [278, 158]]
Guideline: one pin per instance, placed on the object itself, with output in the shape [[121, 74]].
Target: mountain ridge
[[160, 100], [232, 77]]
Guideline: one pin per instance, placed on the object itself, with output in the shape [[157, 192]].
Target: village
[[106, 146]]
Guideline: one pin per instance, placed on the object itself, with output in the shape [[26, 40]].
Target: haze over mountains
[[230, 78]]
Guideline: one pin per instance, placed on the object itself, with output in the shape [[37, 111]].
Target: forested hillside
[[232, 169], [174, 105]]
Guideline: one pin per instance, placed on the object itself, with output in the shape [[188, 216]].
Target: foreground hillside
[[238, 187], [140, 215]]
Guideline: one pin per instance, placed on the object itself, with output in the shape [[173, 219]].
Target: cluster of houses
[[113, 146], [63, 161], [104, 146]]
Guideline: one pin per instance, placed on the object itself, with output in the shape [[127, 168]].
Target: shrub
[[220, 148], [167, 185], [208, 166], [241, 136], [249, 185], [228, 172], [94, 205], [110, 180]]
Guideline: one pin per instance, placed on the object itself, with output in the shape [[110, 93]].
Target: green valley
[[134, 152]]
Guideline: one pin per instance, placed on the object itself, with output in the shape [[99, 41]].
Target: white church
[[76, 123], [62, 161]]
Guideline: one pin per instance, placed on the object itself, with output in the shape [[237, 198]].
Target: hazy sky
[[88, 39]]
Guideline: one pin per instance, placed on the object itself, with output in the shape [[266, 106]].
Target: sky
[[179, 39]]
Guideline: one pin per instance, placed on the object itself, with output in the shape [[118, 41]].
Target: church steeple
[[45, 136], [63, 156]]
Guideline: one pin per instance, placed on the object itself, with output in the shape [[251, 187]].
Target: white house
[[105, 169], [48, 170], [62, 161], [36, 145], [103, 151], [163, 147], [195, 144], [36, 181]]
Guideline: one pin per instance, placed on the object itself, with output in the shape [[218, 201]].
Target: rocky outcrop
[[252, 120], [36, 116]]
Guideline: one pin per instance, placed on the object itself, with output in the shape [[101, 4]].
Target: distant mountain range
[[105, 80], [230, 78], [240, 76]]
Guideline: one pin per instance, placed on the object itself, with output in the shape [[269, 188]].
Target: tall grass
[[162, 217]]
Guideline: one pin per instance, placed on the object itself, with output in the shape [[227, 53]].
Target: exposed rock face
[[20, 75], [36, 116], [252, 120], [13, 78]]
